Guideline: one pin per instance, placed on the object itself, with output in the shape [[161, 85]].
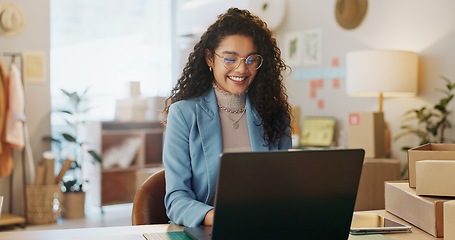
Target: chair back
[[148, 204]]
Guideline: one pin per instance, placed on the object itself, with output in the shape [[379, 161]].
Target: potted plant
[[69, 145], [429, 124]]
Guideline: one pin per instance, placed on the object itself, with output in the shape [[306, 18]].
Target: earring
[[210, 69]]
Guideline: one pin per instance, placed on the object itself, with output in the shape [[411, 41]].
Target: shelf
[[119, 184], [10, 219]]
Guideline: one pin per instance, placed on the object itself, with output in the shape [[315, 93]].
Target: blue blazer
[[192, 147]]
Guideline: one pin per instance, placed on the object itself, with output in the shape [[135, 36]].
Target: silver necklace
[[230, 99], [235, 123], [242, 110]]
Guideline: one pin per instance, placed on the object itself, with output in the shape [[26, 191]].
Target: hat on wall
[[12, 20], [350, 13]]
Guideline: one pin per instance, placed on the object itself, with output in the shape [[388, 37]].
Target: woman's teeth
[[238, 79]]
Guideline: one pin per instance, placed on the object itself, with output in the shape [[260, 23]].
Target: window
[[105, 44]]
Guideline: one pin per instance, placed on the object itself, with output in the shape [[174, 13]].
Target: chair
[[148, 204]]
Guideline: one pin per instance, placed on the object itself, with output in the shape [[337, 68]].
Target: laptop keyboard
[[166, 236]]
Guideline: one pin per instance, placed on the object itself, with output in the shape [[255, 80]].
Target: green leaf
[[424, 141], [410, 111], [433, 130], [66, 111], [69, 123], [76, 165], [86, 90], [409, 117], [66, 92], [440, 108], [406, 148], [425, 118], [95, 155], [51, 139], [68, 137], [409, 132], [402, 135], [407, 127]]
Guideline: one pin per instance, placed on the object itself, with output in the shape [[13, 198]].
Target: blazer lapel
[[208, 122]]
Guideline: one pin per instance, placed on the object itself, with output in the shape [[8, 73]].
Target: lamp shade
[[387, 72]]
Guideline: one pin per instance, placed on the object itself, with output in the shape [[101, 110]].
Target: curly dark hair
[[266, 93]]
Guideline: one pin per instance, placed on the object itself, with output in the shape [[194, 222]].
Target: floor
[[115, 215]]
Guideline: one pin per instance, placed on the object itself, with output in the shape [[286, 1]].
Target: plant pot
[[73, 204]]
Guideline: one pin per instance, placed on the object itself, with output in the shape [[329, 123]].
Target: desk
[[135, 232], [416, 234], [111, 233]]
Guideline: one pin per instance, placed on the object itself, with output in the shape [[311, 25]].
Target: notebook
[[306, 194]]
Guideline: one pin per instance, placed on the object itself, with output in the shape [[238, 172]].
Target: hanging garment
[[6, 158], [15, 115], [2, 103], [29, 162]]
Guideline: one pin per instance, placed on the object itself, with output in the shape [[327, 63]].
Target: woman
[[230, 97]]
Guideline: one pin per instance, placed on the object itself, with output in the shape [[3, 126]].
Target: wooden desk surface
[[10, 219], [135, 232], [416, 234], [112, 233]]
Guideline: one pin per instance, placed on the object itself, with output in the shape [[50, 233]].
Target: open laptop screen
[[286, 194]]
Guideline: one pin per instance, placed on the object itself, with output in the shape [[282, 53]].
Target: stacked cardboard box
[[431, 151], [423, 212], [366, 130], [435, 178], [427, 200]]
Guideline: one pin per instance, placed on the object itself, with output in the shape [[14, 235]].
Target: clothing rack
[[14, 56]]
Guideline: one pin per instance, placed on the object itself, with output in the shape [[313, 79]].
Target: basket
[[44, 203]]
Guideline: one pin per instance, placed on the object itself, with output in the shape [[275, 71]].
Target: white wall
[[425, 27], [35, 37]]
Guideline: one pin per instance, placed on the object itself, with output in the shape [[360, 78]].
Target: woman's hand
[[208, 220]]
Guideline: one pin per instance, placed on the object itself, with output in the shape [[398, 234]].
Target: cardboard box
[[430, 151], [375, 172], [366, 130], [435, 177], [425, 213], [449, 220]]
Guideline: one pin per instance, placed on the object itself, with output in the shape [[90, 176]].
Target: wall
[[35, 37], [425, 27]]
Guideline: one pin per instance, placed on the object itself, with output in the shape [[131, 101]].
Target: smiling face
[[238, 80]]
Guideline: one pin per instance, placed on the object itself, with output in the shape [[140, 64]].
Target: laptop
[[307, 194]]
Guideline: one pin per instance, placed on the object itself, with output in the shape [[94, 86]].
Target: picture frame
[[293, 48], [318, 131], [312, 47]]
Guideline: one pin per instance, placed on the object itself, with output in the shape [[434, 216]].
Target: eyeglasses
[[232, 61]]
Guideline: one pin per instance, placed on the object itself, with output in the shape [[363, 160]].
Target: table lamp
[[381, 73], [377, 73]]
